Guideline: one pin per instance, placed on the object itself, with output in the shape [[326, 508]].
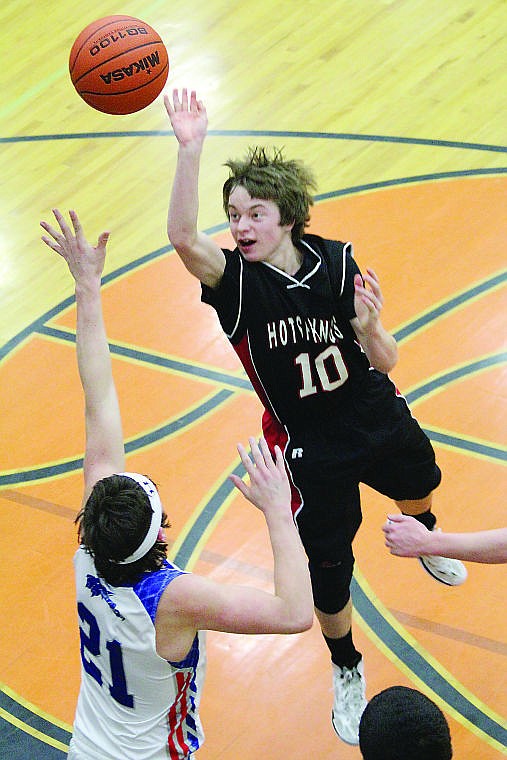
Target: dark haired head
[[112, 524], [403, 724], [273, 178]]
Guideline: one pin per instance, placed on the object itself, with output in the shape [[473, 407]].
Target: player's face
[[255, 226]]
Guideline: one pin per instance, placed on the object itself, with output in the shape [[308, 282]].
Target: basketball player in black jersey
[[306, 326]]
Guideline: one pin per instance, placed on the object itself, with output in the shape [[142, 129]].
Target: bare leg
[[415, 506], [338, 625]]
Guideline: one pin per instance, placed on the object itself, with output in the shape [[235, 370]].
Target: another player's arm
[[488, 546], [407, 537], [104, 450], [200, 254], [378, 344], [192, 602]]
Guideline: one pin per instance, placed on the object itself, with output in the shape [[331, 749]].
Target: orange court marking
[[421, 262]]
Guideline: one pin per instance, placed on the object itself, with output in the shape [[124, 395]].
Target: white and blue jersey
[[133, 704]]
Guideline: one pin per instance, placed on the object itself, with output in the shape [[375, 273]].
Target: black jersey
[[293, 333]]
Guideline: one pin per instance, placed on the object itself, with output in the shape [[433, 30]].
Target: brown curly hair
[[272, 177]]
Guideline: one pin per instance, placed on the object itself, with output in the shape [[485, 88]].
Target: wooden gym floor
[[399, 106]]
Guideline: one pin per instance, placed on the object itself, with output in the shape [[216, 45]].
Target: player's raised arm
[[104, 453], [201, 255], [197, 603]]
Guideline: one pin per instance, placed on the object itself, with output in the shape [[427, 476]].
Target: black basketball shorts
[[395, 458]]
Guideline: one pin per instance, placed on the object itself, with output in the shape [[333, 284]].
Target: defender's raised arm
[[104, 452]]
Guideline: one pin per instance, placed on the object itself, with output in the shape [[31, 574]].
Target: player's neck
[[287, 258]]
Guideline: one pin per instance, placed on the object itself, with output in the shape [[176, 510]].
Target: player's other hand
[[269, 488]]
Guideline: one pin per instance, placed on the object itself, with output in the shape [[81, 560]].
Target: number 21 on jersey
[[91, 643]]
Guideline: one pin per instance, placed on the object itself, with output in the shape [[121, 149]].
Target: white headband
[[156, 517]]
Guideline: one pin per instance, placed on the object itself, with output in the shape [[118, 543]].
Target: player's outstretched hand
[[84, 260], [405, 536], [368, 299], [188, 118], [269, 488]]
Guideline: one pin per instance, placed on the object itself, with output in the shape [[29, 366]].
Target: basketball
[[118, 64]]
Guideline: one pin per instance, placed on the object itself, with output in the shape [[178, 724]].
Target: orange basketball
[[118, 64]]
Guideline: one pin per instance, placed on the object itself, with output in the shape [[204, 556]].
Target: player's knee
[[331, 584]]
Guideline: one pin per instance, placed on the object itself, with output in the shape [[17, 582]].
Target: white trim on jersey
[[252, 362], [347, 248], [295, 283], [240, 302], [302, 283]]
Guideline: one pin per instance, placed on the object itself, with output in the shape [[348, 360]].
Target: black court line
[[140, 442], [423, 669], [38, 324], [240, 383], [430, 316], [264, 133], [17, 744], [457, 374], [374, 619], [27, 745]]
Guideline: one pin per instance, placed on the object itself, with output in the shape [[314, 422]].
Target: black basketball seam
[[92, 34], [108, 23], [124, 52], [123, 92]]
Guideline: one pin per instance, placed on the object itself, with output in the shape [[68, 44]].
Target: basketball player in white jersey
[[141, 618], [306, 325]]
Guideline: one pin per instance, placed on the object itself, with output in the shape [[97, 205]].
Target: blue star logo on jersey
[[97, 589]]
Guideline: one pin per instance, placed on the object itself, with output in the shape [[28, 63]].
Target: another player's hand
[[269, 488], [405, 536], [84, 260], [188, 118], [368, 301]]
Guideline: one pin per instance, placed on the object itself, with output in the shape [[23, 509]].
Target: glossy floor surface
[[399, 107]]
